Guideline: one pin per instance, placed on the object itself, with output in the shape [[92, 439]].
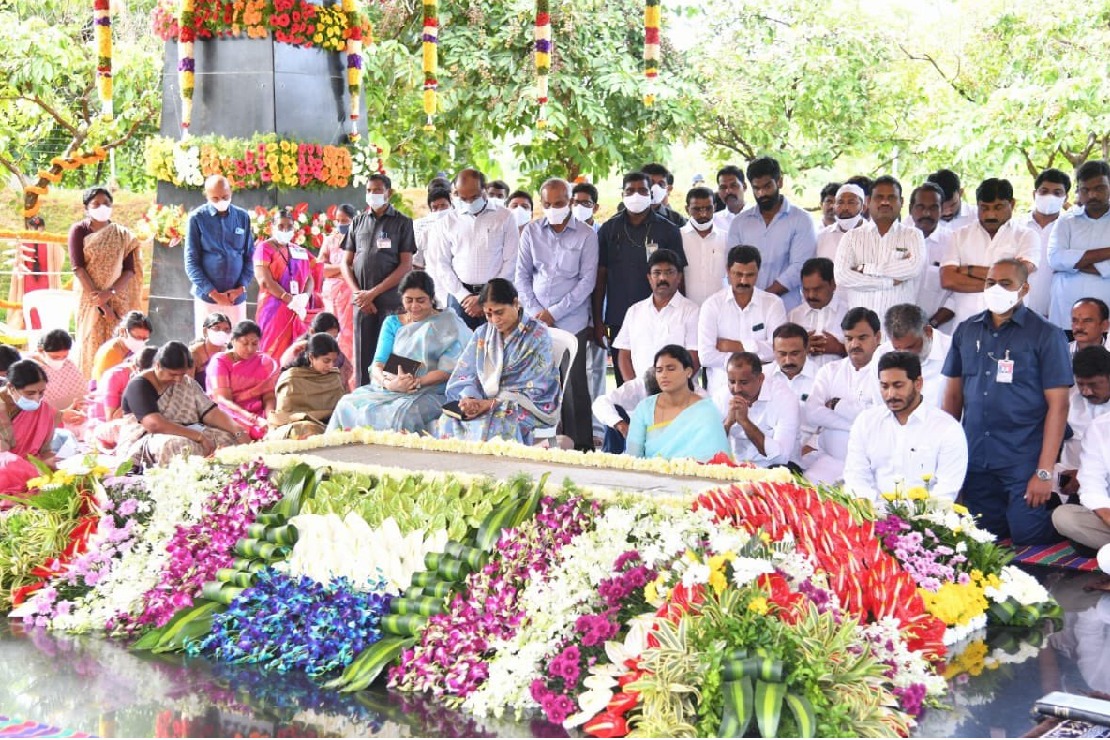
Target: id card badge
[[384, 242], [294, 287], [297, 253], [1005, 370], [650, 247]]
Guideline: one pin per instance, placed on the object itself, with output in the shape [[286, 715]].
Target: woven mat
[[1060, 555]]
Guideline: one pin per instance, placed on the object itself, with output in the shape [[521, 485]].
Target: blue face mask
[[27, 404], [344, 228]]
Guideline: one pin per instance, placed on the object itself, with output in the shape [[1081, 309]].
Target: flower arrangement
[[355, 25], [542, 58], [652, 53], [198, 550], [186, 61], [296, 623], [262, 161], [295, 22], [102, 25], [262, 219], [164, 224], [365, 161], [429, 40]]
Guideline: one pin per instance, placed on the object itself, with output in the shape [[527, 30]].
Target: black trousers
[[577, 413], [367, 329]]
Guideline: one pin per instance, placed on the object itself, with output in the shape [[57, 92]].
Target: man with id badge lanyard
[[379, 248], [1008, 377]]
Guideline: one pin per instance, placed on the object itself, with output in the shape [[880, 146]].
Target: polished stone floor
[[96, 686]]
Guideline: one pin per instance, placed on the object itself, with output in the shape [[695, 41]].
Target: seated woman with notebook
[[416, 352], [506, 383]]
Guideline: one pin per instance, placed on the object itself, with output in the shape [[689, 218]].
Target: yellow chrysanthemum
[[759, 605]]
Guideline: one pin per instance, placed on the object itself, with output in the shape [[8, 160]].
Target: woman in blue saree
[[401, 400], [506, 383], [676, 422]]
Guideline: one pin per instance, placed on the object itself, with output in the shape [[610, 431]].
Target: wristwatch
[[1043, 474]]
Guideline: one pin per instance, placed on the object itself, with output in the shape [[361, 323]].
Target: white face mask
[[376, 200], [582, 213], [521, 215], [999, 300], [472, 208], [637, 202], [222, 205], [1047, 204], [101, 213], [53, 364], [496, 202], [847, 224], [283, 237], [658, 193], [556, 215], [134, 345], [702, 225], [219, 338]]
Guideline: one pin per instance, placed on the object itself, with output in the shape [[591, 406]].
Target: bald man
[[218, 248]]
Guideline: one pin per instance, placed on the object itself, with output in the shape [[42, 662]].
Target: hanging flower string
[[543, 58], [102, 21], [354, 65], [431, 61], [652, 54], [186, 64]]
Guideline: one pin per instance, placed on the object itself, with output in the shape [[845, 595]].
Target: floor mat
[[1060, 555], [12, 728]]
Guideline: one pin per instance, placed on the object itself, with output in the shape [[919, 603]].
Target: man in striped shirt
[[880, 264]]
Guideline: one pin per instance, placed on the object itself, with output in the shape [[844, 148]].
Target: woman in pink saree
[[26, 425], [242, 380], [286, 275], [336, 292]]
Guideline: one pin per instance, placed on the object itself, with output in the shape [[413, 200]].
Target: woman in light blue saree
[[506, 383], [676, 423], [407, 399]]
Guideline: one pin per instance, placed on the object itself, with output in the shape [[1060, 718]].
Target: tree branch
[[13, 168], [730, 139], [50, 111], [951, 80], [1029, 163]]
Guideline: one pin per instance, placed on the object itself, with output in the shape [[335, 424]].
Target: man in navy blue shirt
[[218, 250], [625, 242], [1008, 377]]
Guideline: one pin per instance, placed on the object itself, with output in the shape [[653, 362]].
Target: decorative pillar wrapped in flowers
[[431, 60], [186, 64], [102, 26], [652, 17], [354, 65], [543, 58]]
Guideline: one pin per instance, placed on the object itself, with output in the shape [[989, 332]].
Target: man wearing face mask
[[379, 248], [782, 232], [555, 274], [1008, 376], [705, 246], [625, 244], [497, 192], [662, 182], [218, 250], [474, 244], [521, 207], [975, 247], [1079, 247], [730, 197], [439, 205], [848, 215], [907, 330], [1050, 195]]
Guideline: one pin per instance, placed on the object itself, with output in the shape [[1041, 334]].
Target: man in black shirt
[[624, 244]]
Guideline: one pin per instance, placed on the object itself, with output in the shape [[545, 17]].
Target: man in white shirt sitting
[[666, 317], [1087, 400], [906, 444], [821, 313], [975, 247], [881, 263], [705, 247], [793, 368], [925, 202], [1090, 322], [740, 318], [761, 416], [842, 390], [1088, 523], [906, 330], [849, 215]]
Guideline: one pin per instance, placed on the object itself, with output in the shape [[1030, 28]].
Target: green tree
[[596, 117], [48, 101]]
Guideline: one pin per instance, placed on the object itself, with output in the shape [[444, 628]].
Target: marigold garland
[[186, 63], [354, 65], [430, 41], [652, 54], [102, 22], [71, 162], [543, 58], [259, 162]]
